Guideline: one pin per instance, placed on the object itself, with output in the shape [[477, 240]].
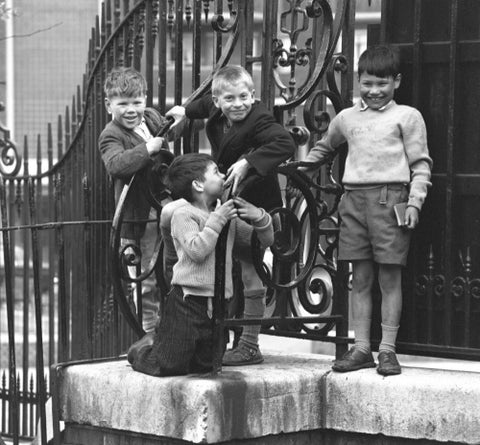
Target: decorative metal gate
[[56, 224]]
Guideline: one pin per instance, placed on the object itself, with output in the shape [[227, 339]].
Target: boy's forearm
[[268, 156], [198, 244], [199, 109], [123, 163], [319, 152], [420, 182], [264, 229]]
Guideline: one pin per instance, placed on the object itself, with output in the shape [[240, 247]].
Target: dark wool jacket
[[259, 138], [124, 153]]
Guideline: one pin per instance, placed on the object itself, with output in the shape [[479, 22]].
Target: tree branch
[[17, 36]]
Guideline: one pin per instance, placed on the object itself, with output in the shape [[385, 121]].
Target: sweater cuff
[[263, 221], [415, 202]]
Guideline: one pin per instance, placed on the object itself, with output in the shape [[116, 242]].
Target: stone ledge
[[287, 393]]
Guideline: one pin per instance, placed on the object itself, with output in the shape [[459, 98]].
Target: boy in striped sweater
[[183, 341]]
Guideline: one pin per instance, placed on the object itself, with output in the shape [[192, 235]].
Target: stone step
[[288, 393]]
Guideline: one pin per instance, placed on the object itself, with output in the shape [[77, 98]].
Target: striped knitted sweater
[[384, 147], [195, 233]]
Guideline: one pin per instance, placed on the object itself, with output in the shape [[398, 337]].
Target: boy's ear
[[397, 80], [215, 101], [107, 105], [253, 94], [197, 186]]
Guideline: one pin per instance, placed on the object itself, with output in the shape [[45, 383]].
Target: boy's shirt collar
[[364, 106], [143, 131]]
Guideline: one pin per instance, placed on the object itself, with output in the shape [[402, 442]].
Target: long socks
[[389, 338], [254, 308]]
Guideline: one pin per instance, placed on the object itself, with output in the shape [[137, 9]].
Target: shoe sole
[[253, 362], [386, 372], [354, 367]]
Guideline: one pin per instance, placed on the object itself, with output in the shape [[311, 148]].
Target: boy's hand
[[178, 114], [411, 217], [227, 209], [247, 211], [154, 145], [236, 174]]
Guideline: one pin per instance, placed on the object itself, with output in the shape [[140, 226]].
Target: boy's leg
[[150, 290], [205, 347], [247, 351], [390, 280], [360, 355], [174, 342]]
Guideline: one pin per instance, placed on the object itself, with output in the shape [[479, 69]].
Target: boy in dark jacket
[[128, 145], [245, 139]]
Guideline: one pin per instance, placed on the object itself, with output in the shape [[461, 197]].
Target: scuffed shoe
[[388, 363], [146, 340], [354, 359], [242, 355]]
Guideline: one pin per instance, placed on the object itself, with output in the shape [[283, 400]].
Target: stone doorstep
[[287, 393]]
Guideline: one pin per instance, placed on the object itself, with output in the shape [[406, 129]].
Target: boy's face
[[212, 185], [235, 101], [377, 92], [127, 111]]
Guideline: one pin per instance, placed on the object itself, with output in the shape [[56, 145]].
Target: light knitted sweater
[[195, 233], [384, 147]]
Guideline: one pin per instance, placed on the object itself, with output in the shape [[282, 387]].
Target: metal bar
[[162, 56], [13, 393], [219, 300], [42, 398], [26, 285], [285, 320], [450, 171], [149, 49], [269, 31], [178, 42]]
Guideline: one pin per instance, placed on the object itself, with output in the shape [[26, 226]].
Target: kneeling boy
[[183, 342]]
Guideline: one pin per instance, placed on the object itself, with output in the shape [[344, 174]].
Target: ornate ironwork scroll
[[307, 242], [10, 158]]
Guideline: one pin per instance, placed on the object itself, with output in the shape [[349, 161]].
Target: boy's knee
[[363, 282], [389, 276]]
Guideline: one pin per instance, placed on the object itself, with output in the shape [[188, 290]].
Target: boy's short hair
[[126, 82], [229, 75], [380, 61], [184, 170]]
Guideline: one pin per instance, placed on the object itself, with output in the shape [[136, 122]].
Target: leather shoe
[[354, 359], [388, 363], [133, 350]]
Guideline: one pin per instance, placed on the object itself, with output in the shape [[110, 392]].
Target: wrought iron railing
[[56, 220]]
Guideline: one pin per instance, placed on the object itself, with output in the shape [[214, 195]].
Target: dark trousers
[[183, 342]]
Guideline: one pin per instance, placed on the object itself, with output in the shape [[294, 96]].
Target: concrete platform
[[288, 393]]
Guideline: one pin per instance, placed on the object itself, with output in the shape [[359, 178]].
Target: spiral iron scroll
[[10, 160]]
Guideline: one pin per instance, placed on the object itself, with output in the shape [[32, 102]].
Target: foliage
[[6, 13]]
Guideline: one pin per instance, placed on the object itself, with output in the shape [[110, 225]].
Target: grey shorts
[[369, 230]]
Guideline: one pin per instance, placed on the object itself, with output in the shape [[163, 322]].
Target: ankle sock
[[389, 338]]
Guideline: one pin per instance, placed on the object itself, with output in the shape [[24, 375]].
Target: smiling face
[[127, 111], [376, 91], [235, 101]]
